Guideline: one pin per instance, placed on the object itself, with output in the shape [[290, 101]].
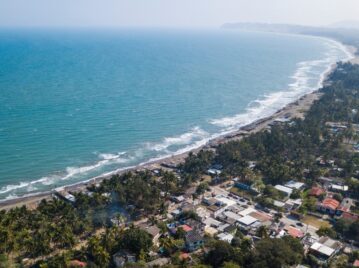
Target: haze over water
[[77, 104]]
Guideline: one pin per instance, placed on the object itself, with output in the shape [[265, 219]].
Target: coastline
[[295, 109]]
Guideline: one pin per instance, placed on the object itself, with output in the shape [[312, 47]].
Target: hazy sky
[[173, 13]]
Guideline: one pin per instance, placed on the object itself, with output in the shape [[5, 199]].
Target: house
[[294, 232], [185, 228], [186, 206], [325, 248], [158, 262], [316, 191], [295, 185], [212, 222], [222, 226], [231, 216], [152, 230], [60, 193], [193, 241], [178, 199], [246, 222], [263, 218], [349, 216], [292, 204], [344, 206], [286, 190], [77, 263], [225, 237], [278, 204], [242, 185], [231, 229], [122, 257], [246, 211], [339, 188], [210, 231], [328, 205], [209, 201], [213, 172]]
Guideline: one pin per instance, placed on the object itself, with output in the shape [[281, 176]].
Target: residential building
[[225, 237], [328, 205], [339, 188], [325, 248], [158, 262], [295, 185], [344, 206], [193, 241], [122, 257], [316, 191], [286, 190], [152, 230]]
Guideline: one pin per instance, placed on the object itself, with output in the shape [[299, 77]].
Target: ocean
[[75, 104]]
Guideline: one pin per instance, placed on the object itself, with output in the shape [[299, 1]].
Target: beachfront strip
[[286, 196]]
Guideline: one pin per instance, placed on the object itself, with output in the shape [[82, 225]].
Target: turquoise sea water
[[80, 103]]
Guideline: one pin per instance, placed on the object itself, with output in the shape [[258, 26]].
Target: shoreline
[[295, 109]]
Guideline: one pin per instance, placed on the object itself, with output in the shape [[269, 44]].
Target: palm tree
[[168, 178], [262, 232], [168, 244]]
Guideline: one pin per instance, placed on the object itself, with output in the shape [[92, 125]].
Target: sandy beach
[[296, 109]]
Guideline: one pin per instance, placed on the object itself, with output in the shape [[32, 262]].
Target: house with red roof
[[316, 191], [348, 216], [185, 228], [328, 205], [77, 263], [294, 232]]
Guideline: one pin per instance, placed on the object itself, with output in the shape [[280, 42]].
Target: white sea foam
[[183, 139], [305, 73], [70, 173]]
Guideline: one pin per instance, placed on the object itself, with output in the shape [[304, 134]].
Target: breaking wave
[[305, 74]]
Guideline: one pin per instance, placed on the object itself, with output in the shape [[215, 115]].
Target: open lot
[[316, 222]]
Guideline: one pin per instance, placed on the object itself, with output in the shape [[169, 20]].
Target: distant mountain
[[349, 36], [348, 24], [268, 27]]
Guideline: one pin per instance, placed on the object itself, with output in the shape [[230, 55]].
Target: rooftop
[[294, 184], [325, 250], [337, 187], [185, 228], [316, 191], [284, 189], [225, 237], [246, 211], [330, 203], [247, 220], [193, 236], [232, 215], [295, 232], [153, 230]]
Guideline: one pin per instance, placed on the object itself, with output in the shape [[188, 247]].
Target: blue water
[[77, 104]]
